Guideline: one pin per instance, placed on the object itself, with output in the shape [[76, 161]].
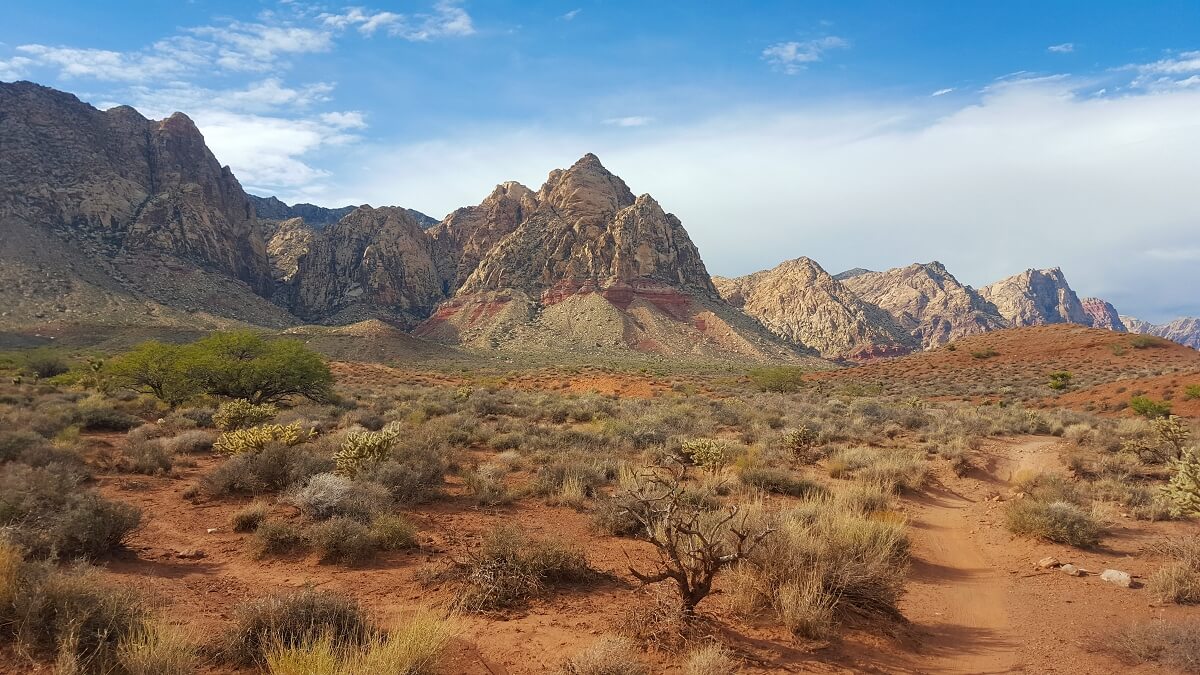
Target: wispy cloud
[[1184, 254], [793, 57], [570, 15], [1064, 48], [942, 92], [631, 121], [447, 19]]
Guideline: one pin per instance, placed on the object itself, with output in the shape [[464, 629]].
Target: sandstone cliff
[[800, 301], [928, 302], [1185, 330], [1035, 298]]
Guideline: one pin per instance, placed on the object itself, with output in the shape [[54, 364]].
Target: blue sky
[[990, 136]]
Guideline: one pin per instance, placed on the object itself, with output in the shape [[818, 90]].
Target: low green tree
[[157, 368], [244, 365]]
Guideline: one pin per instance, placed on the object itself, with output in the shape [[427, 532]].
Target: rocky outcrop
[[117, 183], [1035, 298], [800, 301], [373, 262], [470, 233], [851, 273], [928, 302], [1102, 314], [1185, 330]]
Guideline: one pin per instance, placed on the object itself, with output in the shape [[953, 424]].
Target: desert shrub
[[254, 439], [779, 481], [1172, 434], [863, 497], [409, 482], [45, 363], [393, 533], [614, 516], [48, 515], [1179, 580], [249, 517], [706, 453], [1057, 521], [486, 485], [1146, 341], [510, 568], [1168, 644], [274, 468], [709, 659], [984, 353], [294, 620], [581, 475], [824, 562], [154, 649], [781, 379], [416, 648], [1183, 490], [610, 655], [73, 615], [800, 440], [14, 443], [241, 414], [1192, 392], [277, 537], [897, 469], [96, 415], [326, 495], [342, 540], [148, 457], [365, 449], [1149, 408], [190, 442], [1051, 487]]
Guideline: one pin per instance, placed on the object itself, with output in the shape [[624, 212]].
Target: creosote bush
[[1061, 522]]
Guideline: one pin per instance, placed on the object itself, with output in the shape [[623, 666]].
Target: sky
[[993, 137]]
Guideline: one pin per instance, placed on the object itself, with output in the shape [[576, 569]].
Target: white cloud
[[14, 68], [344, 120], [1064, 48], [265, 96], [1184, 62], [1033, 174], [1185, 254], [103, 64], [632, 121], [793, 57], [942, 92], [571, 15], [258, 47], [447, 19]]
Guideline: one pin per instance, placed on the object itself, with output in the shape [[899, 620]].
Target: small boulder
[[1117, 577], [1072, 570], [190, 554], [1048, 562]]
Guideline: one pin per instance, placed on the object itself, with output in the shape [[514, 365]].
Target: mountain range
[[109, 217]]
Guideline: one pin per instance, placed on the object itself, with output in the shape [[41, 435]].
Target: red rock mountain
[[1035, 298], [1103, 315]]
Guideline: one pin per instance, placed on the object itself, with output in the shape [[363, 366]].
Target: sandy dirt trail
[[959, 597]]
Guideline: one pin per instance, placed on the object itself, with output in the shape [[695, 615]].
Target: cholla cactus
[[241, 414], [800, 439], [1183, 490], [1173, 433], [707, 453], [239, 441], [365, 448]]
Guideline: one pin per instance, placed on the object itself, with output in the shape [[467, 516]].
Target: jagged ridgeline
[[109, 217]]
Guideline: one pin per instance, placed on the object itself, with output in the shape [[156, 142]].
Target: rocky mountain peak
[[1103, 315], [587, 194], [1035, 297]]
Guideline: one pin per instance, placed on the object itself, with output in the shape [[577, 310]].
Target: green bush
[[45, 363], [1192, 392], [342, 540], [1060, 380], [240, 414], [1146, 341], [1148, 407], [781, 379], [393, 533], [984, 353], [239, 365], [276, 537]]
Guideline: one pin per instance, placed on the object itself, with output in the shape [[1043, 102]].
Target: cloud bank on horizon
[[790, 132]]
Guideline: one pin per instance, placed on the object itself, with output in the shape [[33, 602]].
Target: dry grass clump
[[486, 485], [148, 457], [416, 648], [823, 563], [610, 655], [710, 659], [780, 481], [1179, 580], [293, 620], [155, 649], [249, 517], [191, 442], [327, 495], [897, 469], [342, 540], [277, 537], [393, 533], [1061, 522], [1173, 645], [510, 568]]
